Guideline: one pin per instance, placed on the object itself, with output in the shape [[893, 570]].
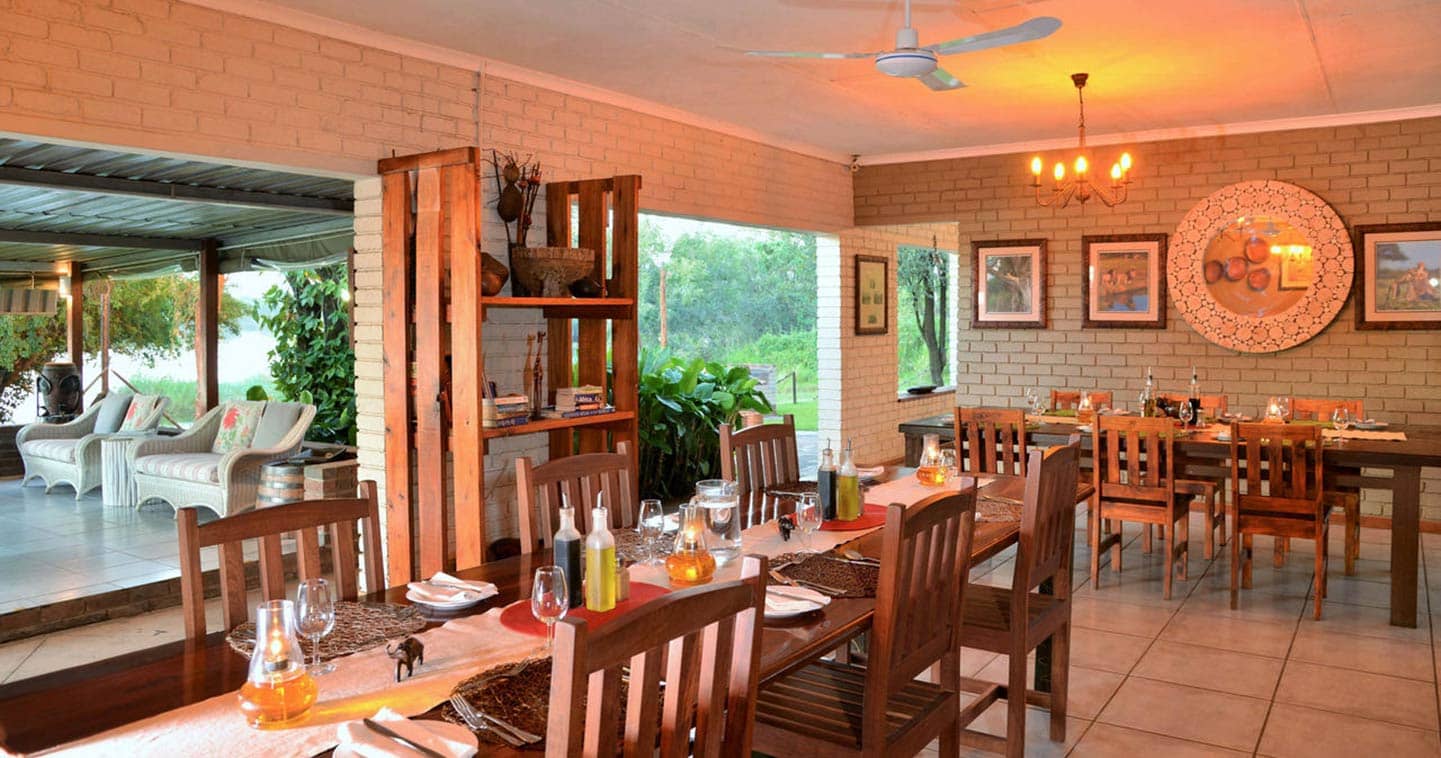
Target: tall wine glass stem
[[549, 636]]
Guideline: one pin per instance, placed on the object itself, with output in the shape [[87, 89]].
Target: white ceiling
[[1154, 64]]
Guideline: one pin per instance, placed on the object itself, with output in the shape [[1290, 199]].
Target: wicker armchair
[[69, 453], [183, 472]]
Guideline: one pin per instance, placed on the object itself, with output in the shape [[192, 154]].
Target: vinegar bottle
[[599, 562], [826, 483], [848, 487], [567, 554]]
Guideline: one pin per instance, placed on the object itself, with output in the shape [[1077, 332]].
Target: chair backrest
[[1211, 405], [581, 479], [1280, 466], [1134, 458], [1048, 519], [338, 516], [1320, 409], [1069, 399], [757, 457], [704, 643], [925, 559], [991, 440]]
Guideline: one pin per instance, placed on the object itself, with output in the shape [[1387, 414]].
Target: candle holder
[[278, 691], [932, 469], [690, 563]]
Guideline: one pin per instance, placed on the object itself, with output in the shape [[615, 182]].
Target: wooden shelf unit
[[433, 332]]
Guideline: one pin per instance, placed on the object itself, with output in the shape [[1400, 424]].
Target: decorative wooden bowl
[[548, 271]]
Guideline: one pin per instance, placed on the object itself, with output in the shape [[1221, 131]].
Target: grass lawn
[[804, 409]]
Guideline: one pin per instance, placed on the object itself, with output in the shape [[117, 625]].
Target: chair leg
[[1060, 669], [1120, 532], [1282, 545], [1184, 543], [1320, 581], [1146, 539], [1094, 535], [1235, 570], [1352, 526], [1168, 532], [1016, 704], [1208, 503], [1250, 550]]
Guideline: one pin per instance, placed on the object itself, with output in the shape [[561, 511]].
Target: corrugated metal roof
[[45, 207]]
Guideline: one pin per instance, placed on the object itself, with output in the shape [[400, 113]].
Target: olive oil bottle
[[599, 562], [848, 487]]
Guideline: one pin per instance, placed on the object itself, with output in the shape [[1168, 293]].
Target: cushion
[[55, 450], [191, 467], [111, 413], [276, 422], [237, 426], [140, 409]]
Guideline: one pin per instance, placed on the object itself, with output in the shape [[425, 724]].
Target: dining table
[[1367, 463], [136, 700]]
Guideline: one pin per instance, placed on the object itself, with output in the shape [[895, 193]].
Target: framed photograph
[[1010, 283], [1398, 282], [872, 294], [1123, 281]]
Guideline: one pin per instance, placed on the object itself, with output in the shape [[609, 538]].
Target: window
[[925, 312]]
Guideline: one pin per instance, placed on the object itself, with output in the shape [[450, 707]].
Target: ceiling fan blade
[[941, 80], [1034, 29], [803, 54]]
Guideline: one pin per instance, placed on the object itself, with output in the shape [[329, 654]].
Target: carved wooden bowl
[[548, 271]]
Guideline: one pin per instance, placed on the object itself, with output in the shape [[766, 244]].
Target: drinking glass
[[549, 600], [808, 518], [1031, 398], [651, 526], [1186, 413], [720, 507], [948, 462], [315, 618], [1341, 419]]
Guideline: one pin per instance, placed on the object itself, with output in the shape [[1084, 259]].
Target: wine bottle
[[826, 483], [567, 554], [848, 487], [599, 562]]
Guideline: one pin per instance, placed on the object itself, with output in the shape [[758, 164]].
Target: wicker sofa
[[69, 453], [183, 472]]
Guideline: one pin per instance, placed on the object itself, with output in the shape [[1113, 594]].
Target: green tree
[[923, 275], [150, 318], [313, 360]]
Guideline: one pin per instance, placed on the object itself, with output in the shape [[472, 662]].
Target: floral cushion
[[237, 426], [191, 467], [141, 406], [55, 450]]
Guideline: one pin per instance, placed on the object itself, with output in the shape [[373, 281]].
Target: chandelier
[[1079, 186]]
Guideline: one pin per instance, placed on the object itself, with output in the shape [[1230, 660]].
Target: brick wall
[[1375, 173]]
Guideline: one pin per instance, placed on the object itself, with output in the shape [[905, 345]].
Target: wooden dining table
[[1403, 459], [59, 707]]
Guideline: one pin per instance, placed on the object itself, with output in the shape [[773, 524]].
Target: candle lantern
[[932, 469], [277, 691], [1276, 410], [690, 563]]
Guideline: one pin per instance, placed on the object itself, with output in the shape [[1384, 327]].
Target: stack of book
[[575, 402], [506, 410]]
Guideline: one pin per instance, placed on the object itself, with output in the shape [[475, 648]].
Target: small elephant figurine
[[408, 653]]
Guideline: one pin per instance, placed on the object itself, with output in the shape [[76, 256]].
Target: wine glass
[[1186, 412], [315, 618], [1031, 398], [1341, 420], [808, 518], [549, 600], [651, 526]]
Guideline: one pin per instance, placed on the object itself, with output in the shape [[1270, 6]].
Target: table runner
[[1361, 434]]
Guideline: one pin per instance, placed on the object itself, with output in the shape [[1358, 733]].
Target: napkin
[[443, 588], [778, 603], [874, 472], [445, 738]]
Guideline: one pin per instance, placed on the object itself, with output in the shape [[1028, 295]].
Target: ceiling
[[1153, 65], [119, 212]]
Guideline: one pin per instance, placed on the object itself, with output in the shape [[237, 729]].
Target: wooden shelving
[[556, 424]]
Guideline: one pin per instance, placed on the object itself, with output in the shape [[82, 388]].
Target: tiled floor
[[1149, 676]]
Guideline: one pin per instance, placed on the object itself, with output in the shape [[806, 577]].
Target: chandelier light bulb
[[1115, 172], [1060, 171], [1036, 165], [1125, 162], [1081, 165]]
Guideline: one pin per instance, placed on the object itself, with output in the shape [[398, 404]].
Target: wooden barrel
[[281, 482]]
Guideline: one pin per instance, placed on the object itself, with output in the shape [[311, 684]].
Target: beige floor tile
[[1353, 591], [1141, 583], [1089, 688], [1308, 733], [1315, 643], [1367, 622], [1211, 668], [1107, 651], [1111, 741], [1229, 633], [1230, 721], [1038, 730], [1097, 612], [1252, 605], [973, 660], [12, 654], [1371, 696]]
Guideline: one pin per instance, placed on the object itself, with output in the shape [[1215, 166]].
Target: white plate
[[818, 600], [452, 606], [1223, 436], [1084, 428], [1370, 426], [453, 732]]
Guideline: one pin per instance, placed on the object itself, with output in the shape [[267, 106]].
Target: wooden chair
[[1211, 405], [1015, 620], [581, 479], [337, 516], [1320, 409], [1283, 495], [758, 457], [831, 708], [1135, 481], [1068, 399], [703, 642], [991, 440], [1347, 498]]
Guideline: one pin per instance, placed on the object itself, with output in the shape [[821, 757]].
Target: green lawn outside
[[804, 409]]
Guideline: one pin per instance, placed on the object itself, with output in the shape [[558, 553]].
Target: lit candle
[[1059, 172], [1125, 162], [1036, 165], [1115, 172], [1081, 164]]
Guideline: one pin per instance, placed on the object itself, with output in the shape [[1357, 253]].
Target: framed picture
[[1010, 281], [1123, 281], [872, 294], [1399, 281]]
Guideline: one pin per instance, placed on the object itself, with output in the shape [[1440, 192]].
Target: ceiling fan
[[910, 59]]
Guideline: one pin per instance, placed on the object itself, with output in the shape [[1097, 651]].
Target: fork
[[472, 719], [522, 734], [854, 556], [783, 579]]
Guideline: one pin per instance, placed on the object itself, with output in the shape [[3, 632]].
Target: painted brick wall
[[1376, 173]]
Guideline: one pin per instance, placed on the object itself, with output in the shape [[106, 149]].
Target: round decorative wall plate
[[1260, 266]]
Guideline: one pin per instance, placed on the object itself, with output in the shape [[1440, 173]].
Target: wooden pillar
[[207, 330], [397, 261], [75, 318]]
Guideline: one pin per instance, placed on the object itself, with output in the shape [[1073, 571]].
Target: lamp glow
[[1115, 172], [1036, 165], [1081, 164], [1059, 172], [1125, 161]]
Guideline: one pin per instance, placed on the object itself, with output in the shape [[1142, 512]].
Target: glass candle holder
[[690, 563], [931, 470], [1275, 410], [278, 691]]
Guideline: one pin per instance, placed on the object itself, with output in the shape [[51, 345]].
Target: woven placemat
[[358, 626], [629, 547], [853, 579], [521, 699], [997, 510]]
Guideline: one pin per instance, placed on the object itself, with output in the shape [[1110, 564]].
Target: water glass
[[808, 518], [651, 527], [315, 618], [1341, 420], [549, 600], [720, 510], [1186, 413]]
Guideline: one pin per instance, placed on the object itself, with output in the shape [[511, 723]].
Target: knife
[[386, 731]]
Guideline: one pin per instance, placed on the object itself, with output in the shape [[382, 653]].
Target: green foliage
[[182, 393], [682, 405], [792, 351], [313, 360], [923, 315]]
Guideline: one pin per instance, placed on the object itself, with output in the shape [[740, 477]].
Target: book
[[551, 411], [501, 423]]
